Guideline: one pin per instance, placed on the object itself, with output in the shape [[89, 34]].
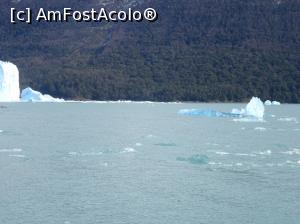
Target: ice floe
[[260, 129], [30, 95], [288, 119], [267, 152], [254, 111], [222, 153], [128, 150], [11, 150], [292, 152], [17, 156], [195, 159]]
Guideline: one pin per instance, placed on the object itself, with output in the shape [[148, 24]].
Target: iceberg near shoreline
[[10, 87], [9, 82], [30, 95]]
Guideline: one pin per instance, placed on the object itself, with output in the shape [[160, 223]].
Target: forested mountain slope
[[197, 50]]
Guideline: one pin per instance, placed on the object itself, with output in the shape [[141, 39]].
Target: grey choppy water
[[75, 163]]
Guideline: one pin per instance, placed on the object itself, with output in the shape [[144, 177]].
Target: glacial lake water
[[115, 163]]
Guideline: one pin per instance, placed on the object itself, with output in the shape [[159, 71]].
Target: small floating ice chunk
[[30, 95], [260, 129], [272, 103], [11, 150], [73, 153], [276, 103], [205, 113], [292, 152], [288, 119], [17, 156], [128, 150], [268, 103], [268, 152], [138, 144], [222, 153], [245, 154]]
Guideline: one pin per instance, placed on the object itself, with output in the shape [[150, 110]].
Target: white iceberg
[[30, 95], [268, 103], [272, 103], [10, 87], [276, 103], [255, 108], [9, 82]]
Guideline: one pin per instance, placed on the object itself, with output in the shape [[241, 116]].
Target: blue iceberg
[[253, 111]]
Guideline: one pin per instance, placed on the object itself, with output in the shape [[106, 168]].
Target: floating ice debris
[[260, 129], [272, 103], [222, 153], [212, 144], [195, 159], [292, 152], [276, 103], [138, 144], [244, 154], [30, 95], [128, 150], [268, 103], [288, 119], [268, 152], [9, 82], [17, 156], [206, 113], [11, 150], [254, 111], [73, 153]]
